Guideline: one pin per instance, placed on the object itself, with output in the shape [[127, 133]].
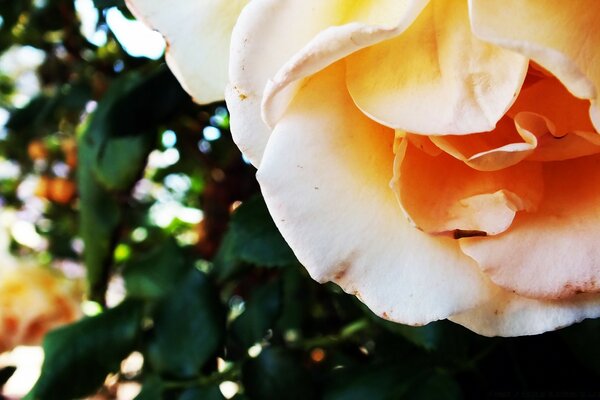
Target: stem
[[231, 373], [347, 332]]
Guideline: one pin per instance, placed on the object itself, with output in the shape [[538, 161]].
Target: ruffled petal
[[550, 146], [561, 36], [266, 40], [552, 253], [443, 195], [436, 68], [325, 177], [560, 121], [198, 33], [501, 148]]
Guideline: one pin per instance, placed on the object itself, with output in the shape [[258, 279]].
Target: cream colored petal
[[441, 194], [552, 253], [267, 38], [507, 314], [329, 46], [198, 34], [267, 34], [325, 176], [436, 78], [501, 148], [561, 36]]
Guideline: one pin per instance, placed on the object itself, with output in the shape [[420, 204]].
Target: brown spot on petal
[[340, 270], [385, 316], [241, 95], [581, 288]]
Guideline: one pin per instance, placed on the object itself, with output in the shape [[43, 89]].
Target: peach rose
[[436, 158], [33, 299]]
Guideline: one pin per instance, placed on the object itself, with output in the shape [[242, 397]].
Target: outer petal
[[436, 66], [561, 36], [329, 46], [325, 177], [198, 33], [507, 314], [265, 40], [442, 194], [567, 222]]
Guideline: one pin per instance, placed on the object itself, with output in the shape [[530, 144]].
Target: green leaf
[[252, 238], [121, 161], [152, 389], [443, 336], [188, 328], [389, 381], [100, 215], [437, 386], [277, 373], [261, 313], [154, 274], [79, 356], [203, 393], [109, 3], [113, 146]]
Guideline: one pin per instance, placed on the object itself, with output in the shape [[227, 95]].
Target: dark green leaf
[[121, 161], [261, 313], [109, 3], [79, 356], [188, 328], [436, 386], [154, 274], [252, 238], [112, 151], [202, 393], [388, 381], [152, 389], [276, 374], [100, 216], [443, 336]]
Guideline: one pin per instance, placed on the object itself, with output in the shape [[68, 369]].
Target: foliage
[[220, 297]]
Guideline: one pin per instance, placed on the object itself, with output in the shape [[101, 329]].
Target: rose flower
[[436, 158], [33, 299]]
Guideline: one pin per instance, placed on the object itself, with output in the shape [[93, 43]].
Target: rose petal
[[552, 253], [266, 36], [501, 148], [331, 45], [437, 66], [507, 314], [442, 194], [550, 146], [563, 38], [198, 33], [325, 177], [548, 97]]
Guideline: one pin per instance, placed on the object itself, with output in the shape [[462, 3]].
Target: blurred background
[[135, 245]]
